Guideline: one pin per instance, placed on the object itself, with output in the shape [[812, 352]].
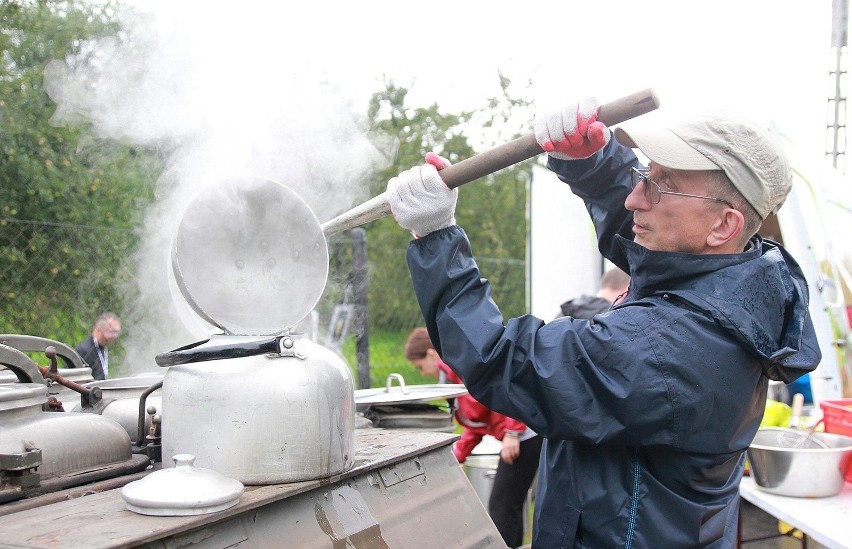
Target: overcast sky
[[767, 58], [275, 89]]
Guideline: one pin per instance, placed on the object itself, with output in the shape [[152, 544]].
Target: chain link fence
[[56, 278]]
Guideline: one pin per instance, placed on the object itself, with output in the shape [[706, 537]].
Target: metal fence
[[55, 278]]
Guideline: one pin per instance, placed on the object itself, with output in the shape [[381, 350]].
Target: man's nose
[[636, 199]]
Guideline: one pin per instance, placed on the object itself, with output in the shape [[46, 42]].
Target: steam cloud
[[225, 91]]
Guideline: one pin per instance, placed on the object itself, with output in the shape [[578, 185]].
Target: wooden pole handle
[[492, 160]]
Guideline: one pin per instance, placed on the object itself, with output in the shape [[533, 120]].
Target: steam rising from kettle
[[251, 257]]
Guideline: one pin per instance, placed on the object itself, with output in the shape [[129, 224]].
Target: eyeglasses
[[653, 192]]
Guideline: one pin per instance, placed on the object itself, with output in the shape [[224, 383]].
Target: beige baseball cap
[[751, 157]]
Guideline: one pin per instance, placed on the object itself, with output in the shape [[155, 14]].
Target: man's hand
[[511, 448], [573, 132], [419, 199]]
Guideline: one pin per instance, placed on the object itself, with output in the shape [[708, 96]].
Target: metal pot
[[265, 418], [255, 404], [122, 395], [799, 472], [409, 406], [46, 451]]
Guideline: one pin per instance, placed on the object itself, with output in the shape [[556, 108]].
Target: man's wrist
[[509, 433]]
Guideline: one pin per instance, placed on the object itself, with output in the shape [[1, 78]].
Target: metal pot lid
[[408, 394], [250, 256], [14, 396], [182, 490]]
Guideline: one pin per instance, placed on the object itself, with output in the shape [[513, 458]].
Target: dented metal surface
[[406, 490]]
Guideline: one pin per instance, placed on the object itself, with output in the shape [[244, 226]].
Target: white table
[[825, 520]]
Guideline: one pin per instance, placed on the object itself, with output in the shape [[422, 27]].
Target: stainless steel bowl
[[800, 472]]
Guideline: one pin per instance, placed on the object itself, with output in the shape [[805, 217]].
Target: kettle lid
[[182, 490], [250, 256]]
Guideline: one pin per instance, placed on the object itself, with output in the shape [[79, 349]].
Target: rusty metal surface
[[406, 490]]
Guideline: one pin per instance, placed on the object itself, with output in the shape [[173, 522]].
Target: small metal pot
[[799, 472], [122, 395]]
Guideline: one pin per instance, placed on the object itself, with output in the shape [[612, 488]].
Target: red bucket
[[837, 417]]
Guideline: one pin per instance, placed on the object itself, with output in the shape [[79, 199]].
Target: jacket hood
[[759, 296]]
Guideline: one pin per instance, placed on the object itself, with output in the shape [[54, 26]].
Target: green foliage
[[386, 357], [61, 191], [78, 200], [492, 210]]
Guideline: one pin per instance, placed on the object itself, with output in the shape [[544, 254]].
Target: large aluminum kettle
[[258, 403], [285, 415]]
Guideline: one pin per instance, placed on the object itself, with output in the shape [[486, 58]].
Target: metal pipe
[[51, 374], [140, 424], [359, 290]]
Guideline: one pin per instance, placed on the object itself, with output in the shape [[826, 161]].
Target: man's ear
[[724, 232]]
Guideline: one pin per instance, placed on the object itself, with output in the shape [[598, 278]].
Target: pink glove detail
[[437, 160], [573, 132]]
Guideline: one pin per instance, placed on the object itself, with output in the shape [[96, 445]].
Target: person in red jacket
[[520, 451]]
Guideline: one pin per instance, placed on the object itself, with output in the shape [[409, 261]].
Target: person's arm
[[602, 181], [465, 445], [565, 379], [582, 153], [512, 424]]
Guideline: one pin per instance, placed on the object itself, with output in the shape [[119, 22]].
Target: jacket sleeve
[[603, 182], [465, 445], [507, 423], [565, 379]]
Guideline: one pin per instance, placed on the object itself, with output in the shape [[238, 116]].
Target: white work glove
[[420, 200], [573, 132]]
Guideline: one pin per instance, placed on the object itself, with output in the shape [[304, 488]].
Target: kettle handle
[[189, 353]]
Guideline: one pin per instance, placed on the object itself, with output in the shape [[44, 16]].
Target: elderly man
[[94, 350], [648, 411]]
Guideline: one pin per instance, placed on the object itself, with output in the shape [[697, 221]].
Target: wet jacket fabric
[[477, 420], [648, 410]]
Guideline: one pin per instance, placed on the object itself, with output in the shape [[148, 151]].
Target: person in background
[[647, 412], [613, 285], [94, 350], [519, 454]]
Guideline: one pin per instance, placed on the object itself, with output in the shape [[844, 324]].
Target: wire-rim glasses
[[653, 192]]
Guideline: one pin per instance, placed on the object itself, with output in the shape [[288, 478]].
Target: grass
[[386, 357]]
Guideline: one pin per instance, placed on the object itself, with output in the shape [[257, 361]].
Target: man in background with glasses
[[94, 350], [647, 411]]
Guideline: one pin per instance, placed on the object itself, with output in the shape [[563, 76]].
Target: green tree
[[493, 210], [69, 202]]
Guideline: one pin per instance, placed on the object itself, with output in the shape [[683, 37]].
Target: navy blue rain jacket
[[648, 410]]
